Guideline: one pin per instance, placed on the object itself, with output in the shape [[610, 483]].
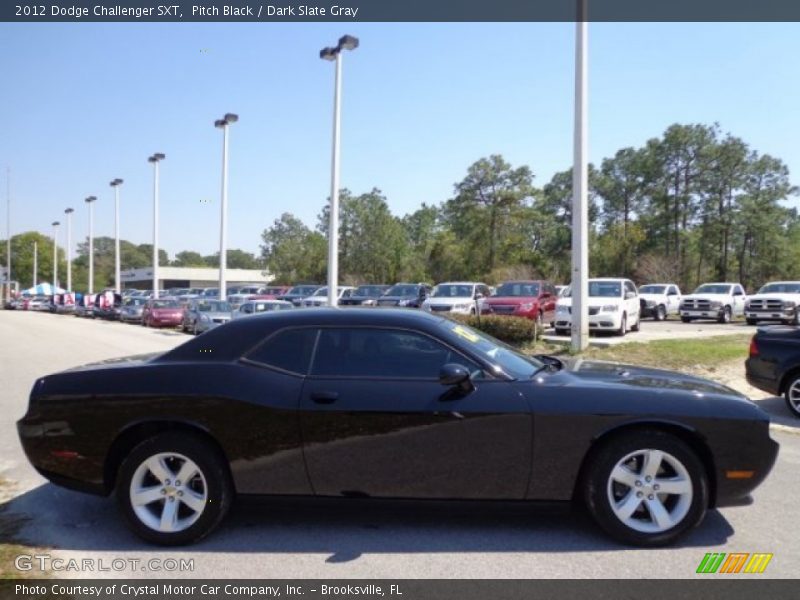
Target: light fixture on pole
[[90, 201], [155, 159], [115, 184], [347, 42], [55, 255], [580, 177], [69, 212], [223, 124]]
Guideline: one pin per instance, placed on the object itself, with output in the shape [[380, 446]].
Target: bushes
[[512, 330]]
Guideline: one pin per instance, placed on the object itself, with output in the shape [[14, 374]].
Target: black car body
[[298, 293], [774, 363], [382, 404], [365, 295], [410, 295]]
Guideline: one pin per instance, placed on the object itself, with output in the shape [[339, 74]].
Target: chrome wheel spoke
[[193, 500], [145, 496], [187, 471], [627, 506], [624, 475], [652, 461], [674, 486], [169, 516], [659, 514], [158, 467]]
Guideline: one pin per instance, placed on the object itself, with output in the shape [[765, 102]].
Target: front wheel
[[792, 395], [661, 313], [725, 317], [623, 326], [174, 489], [646, 488]]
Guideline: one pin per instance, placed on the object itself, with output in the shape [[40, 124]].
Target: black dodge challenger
[[391, 404]]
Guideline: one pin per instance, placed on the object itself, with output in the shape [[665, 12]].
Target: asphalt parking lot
[[652, 330], [313, 540]]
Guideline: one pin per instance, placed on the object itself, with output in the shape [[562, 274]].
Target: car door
[[739, 299], [632, 306], [548, 302], [673, 299], [376, 421]]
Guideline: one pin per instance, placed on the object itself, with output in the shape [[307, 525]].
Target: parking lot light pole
[[8, 234], [55, 255], [155, 159], [90, 201], [224, 124], [115, 184], [347, 42], [69, 212], [580, 212]]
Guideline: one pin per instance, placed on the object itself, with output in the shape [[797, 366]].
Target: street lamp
[[223, 124], [90, 200], [347, 42], [8, 234], [69, 212], [115, 184], [55, 255], [155, 159]]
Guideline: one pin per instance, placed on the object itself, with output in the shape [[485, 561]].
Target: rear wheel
[[646, 488], [792, 395], [174, 489]]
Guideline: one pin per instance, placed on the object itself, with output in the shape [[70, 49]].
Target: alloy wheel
[[650, 491], [793, 397], [168, 492]]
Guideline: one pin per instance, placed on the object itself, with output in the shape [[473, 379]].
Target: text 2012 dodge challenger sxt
[[391, 404]]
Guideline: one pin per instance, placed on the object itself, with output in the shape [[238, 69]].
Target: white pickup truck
[[718, 301], [775, 301], [659, 300]]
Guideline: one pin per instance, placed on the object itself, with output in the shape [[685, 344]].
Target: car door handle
[[324, 397]]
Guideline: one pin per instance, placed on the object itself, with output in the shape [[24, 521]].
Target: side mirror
[[629, 295], [456, 376], [478, 295]]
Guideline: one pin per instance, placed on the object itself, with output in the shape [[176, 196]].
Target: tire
[[607, 497], [752, 321], [638, 323], [472, 312], [661, 313], [686, 320], [623, 325], [792, 395], [211, 488], [725, 317]]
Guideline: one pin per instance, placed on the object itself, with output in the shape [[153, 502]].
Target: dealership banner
[[400, 589], [399, 10]]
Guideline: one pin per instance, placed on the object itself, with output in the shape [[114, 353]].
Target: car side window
[[386, 353], [288, 350], [629, 287]]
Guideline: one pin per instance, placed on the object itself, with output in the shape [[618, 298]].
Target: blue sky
[[86, 103]]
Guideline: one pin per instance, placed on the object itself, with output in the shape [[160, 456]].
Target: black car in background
[[392, 404], [298, 293], [411, 295], [774, 363], [108, 305], [365, 295]]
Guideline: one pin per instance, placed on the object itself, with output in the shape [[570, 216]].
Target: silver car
[[254, 307], [201, 315], [131, 310], [320, 297]]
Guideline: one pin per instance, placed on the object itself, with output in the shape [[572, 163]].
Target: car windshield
[[323, 291], [517, 288], [652, 289], [780, 288], [713, 288], [512, 362], [303, 290], [165, 304], [451, 290], [214, 307], [599, 289], [135, 302], [211, 292], [369, 290], [402, 290], [273, 290]]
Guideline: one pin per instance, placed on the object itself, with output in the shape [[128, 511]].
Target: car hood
[[512, 299], [217, 315], [717, 297], [593, 301], [396, 298], [653, 297], [645, 377], [450, 301], [775, 296], [165, 312]]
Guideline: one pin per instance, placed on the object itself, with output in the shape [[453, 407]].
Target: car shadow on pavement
[[344, 530], [778, 412]]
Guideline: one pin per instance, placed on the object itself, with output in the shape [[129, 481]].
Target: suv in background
[[411, 295], [719, 301], [298, 293], [365, 295], [613, 306], [458, 297], [659, 300], [530, 299], [775, 301]]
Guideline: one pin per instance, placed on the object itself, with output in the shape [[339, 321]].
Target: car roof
[[461, 283]]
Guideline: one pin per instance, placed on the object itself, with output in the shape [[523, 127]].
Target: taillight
[[753, 347]]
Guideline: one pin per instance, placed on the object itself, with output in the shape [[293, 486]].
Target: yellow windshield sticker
[[466, 334]]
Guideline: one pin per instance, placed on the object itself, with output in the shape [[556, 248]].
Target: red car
[[162, 313], [530, 299]]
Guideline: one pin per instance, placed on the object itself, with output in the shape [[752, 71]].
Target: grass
[[10, 545], [683, 354]]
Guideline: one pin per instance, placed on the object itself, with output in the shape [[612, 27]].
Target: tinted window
[[652, 289], [382, 353], [453, 291], [403, 290], [289, 350]]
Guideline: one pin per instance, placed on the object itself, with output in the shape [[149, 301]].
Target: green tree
[[292, 252], [22, 259], [189, 258]]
